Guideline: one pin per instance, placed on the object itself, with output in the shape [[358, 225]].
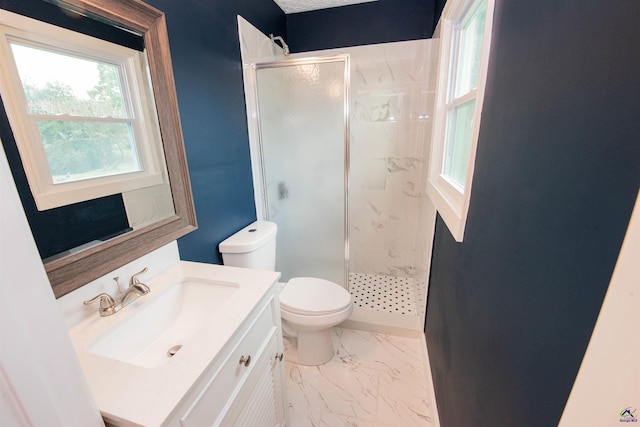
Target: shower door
[[302, 111]]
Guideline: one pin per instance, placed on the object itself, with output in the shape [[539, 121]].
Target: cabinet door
[[224, 384], [260, 403]]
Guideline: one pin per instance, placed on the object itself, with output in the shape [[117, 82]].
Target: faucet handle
[[134, 279], [107, 304]]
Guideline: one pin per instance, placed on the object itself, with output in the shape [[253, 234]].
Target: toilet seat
[[313, 297]]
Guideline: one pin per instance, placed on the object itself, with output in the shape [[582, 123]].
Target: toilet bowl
[[309, 306]]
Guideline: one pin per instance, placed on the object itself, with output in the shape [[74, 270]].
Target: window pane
[[85, 150], [55, 84], [458, 142], [469, 49]]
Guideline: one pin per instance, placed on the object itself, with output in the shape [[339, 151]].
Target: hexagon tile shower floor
[[383, 293]]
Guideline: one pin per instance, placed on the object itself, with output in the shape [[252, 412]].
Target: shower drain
[[173, 350]]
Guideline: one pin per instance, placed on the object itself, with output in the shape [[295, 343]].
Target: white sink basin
[[124, 356], [164, 323]]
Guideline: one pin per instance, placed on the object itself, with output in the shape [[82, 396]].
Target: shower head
[[284, 45]]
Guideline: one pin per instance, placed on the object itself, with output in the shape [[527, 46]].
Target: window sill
[[452, 207]]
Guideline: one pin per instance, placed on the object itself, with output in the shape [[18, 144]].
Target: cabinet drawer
[[208, 408]]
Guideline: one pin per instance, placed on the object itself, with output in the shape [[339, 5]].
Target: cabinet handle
[[279, 357], [245, 360]]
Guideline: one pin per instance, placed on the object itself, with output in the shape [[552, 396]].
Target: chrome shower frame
[[257, 158]]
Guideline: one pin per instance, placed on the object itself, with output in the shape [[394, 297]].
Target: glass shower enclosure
[[303, 133]]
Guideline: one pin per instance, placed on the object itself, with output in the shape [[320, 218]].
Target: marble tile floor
[[375, 380]]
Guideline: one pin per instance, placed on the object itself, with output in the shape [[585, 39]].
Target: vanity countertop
[[135, 395]]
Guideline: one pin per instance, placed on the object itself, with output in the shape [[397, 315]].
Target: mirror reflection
[[87, 134], [129, 112]]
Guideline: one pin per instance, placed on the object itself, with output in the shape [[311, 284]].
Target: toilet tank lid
[[250, 238]]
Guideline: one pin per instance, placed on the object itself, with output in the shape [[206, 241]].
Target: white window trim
[[145, 125], [450, 199]]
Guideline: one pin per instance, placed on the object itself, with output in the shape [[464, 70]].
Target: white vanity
[[203, 348]]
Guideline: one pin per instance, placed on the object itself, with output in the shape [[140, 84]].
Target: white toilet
[[309, 306]]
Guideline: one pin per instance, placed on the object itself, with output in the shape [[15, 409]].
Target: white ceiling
[[295, 6]]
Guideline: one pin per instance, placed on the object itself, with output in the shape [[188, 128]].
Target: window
[[464, 54], [81, 110]]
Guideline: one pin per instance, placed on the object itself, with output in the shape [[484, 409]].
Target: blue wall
[[206, 60], [512, 308], [380, 21], [207, 67]]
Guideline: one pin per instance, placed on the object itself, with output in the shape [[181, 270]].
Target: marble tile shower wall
[[390, 130], [426, 208]]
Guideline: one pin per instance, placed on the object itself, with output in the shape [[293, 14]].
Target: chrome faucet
[[135, 290]]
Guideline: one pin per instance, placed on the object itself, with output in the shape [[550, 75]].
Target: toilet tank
[[252, 247]]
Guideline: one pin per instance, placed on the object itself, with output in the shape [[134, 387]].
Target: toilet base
[[313, 348]]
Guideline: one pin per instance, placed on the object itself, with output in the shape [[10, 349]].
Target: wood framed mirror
[[73, 271]]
